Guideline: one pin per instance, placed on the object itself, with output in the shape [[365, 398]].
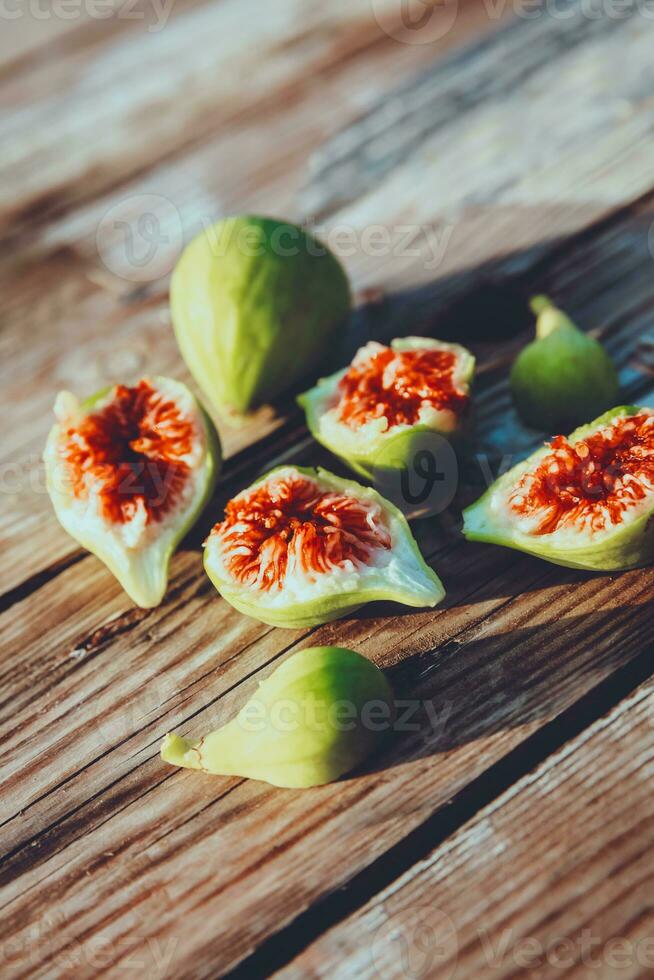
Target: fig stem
[[176, 750], [539, 304], [550, 317]]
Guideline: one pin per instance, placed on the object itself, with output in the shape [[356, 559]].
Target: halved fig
[[128, 472], [302, 547], [585, 501], [374, 413]]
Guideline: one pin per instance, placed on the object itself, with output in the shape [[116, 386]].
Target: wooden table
[[506, 150]]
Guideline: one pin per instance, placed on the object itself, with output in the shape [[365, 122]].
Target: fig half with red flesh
[[372, 413], [128, 472], [585, 501], [302, 547]]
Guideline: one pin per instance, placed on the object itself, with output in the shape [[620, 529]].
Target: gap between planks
[[281, 948]]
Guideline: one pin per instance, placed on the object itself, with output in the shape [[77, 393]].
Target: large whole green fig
[[586, 501], [129, 471], [302, 547], [255, 305], [316, 717], [564, 377]]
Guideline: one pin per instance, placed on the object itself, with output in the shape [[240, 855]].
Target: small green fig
[[377, 413], [255, 306], [564, 377], [315, 718], [585, 501], [129, 471], [302, 547]]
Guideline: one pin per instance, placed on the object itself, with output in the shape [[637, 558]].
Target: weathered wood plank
[[497, 165], [90, 582], [555, 875], [110, 853], [132, 101], [88, 327], [606, 283], [75, 290], [154, 854], [38, 39]]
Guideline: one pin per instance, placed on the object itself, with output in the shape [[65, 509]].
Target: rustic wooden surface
[[517, 153]]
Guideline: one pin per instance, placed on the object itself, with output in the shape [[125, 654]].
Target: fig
[[255, 305], [374, 413], [128, 472], [302, 547], [320, 714], [564, 377], [585, 501]]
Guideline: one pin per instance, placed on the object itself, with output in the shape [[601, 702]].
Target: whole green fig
[[316, 717], [564, 377], [255, 306]]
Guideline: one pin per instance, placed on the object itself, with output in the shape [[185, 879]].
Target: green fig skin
[[318, 716], [143, 574], [382, 459], [420, 587], [255, 305], [631, 546], [564, 377]]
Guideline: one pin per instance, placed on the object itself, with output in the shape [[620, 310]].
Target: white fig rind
[[399, 574]]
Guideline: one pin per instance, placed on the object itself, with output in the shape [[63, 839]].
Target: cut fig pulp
[[371, 413], [301, 547], [586, 501], [128, 472]]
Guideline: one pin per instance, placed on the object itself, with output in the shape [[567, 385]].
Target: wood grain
[[100, 816], [90, 327], [158, 100], [554, 877], [114, 327], [111, 859]]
